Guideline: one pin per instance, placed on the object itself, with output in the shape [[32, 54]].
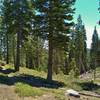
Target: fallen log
[[92, 95]]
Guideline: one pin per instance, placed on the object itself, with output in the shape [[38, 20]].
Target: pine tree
[[84, 49], [80, 45], [72, 47], [5, 29], [53, 15], [17, 16], [94, 50]]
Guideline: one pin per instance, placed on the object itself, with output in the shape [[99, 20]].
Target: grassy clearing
[[25, 89]]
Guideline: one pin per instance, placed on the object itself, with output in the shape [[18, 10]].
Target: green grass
[[26, 90], [59, 93]]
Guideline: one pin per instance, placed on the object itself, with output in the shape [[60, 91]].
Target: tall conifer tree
[[80, 45], [17, 20], [94, 49], [54, 16]]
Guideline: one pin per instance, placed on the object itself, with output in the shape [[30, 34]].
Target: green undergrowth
[[26, 90], [24, 87]]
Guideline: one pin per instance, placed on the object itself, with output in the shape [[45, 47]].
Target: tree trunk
[[37, 54], [18, 52], [14, 61], [66, 66], [55, 60], [5, 47], [37, 61], [82, 69], [50, 44], [7, 58], [31, 62], [50, 58], [27, 65]]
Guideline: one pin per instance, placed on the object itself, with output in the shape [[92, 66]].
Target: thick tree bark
[[50, 59], [18, 52]]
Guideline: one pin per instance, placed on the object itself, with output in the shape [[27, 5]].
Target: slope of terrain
[[32, 85]]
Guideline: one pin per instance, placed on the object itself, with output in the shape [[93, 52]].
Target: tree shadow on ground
[[6, 71], [28, 79], [89, 86]]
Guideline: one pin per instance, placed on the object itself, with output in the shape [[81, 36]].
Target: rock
[[72, 92], [4, 69], [10, 75]]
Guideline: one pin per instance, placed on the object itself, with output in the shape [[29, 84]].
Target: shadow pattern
[[89, 86], [28, 79], [7, 71]]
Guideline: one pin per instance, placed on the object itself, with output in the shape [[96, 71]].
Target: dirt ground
[[8, 93]]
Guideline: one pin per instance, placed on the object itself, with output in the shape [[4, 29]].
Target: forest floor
[[32, 85]]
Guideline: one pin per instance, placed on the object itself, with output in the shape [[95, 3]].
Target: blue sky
[[88, 9]]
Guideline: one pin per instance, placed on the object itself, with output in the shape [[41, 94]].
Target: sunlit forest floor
[[28, 84]]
